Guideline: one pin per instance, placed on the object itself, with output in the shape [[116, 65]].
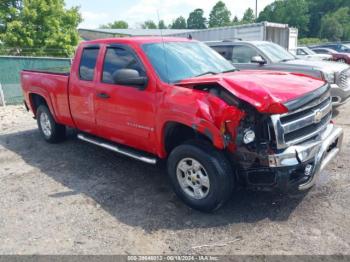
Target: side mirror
[[258, 60], [129, 77]]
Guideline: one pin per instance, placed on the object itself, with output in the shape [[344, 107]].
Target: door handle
[[103, 95]]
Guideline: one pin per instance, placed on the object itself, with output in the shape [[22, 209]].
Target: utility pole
[[256, 9], [2, 97]]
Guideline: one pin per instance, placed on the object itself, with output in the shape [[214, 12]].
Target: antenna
[[163, 43]]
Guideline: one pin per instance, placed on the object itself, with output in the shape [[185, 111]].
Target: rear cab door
[[82, 88]]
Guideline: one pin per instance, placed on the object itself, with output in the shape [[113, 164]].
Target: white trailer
[[280, 34]]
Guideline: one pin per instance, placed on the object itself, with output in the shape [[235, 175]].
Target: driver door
[[124, 114]]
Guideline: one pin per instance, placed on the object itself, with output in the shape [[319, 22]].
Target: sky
[[98, 12]]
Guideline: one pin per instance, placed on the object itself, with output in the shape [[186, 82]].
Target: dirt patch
[[76, 198]]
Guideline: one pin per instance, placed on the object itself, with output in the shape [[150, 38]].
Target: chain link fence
[[10, 68]]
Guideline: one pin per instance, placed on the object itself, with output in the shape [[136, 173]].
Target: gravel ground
[[76, 198]]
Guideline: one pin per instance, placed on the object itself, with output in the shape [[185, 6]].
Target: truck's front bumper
[[339, 95], [297, 167], [311, 158]]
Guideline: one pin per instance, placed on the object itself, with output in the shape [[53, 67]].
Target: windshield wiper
[[230, 70], [207, 73]]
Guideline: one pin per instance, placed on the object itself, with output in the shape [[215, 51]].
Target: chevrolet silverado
[[178, 100]]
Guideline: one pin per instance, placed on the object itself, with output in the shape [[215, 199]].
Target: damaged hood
[[261, 89]]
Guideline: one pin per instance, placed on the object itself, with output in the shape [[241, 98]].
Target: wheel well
[[176, 134], [37, 100]]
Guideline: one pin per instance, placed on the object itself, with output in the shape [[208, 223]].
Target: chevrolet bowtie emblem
[[318, 116]]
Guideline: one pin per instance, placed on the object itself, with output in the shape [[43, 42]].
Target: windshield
[[175, 61], [275, 52], [309, 51]]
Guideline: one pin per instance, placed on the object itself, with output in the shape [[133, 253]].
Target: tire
[[51, 131], [214, 166], [341, 60]]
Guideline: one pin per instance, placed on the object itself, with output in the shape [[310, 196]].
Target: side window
[[301, 52], [225, 51], [118, 58], [343, 48], [321, 51], [88, 64], [243, 54], [331, 47]]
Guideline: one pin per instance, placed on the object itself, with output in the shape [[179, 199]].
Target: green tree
[[196, 19], [179, 23], [319, 9], [9, 11], [311, 41], [219, 15], [292, 12], [43, 27], [331, 29], [161, 25], [149, 24], [273, 12], [248, 16], [120, 24], [235, 21], [335, 26]]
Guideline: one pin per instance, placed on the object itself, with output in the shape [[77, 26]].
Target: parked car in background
[[338, 57], [339, 47], [306, 53], [176, 99], [262, 55]]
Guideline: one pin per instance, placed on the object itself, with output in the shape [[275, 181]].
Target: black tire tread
[[216, 159], [58, 130]]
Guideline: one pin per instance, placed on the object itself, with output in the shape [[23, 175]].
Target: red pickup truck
[[177, 99]]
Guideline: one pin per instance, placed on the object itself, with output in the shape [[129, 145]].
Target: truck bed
[[65, 70], [52, 85]]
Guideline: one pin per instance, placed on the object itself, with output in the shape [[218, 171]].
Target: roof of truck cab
[[138, 40], [233, 42]]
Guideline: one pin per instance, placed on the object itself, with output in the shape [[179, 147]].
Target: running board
[[126, 152]]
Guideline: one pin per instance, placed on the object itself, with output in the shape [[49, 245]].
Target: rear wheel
[[341, 60], [49, 129], [201, 175]]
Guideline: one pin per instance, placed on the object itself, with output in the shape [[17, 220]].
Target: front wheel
[[50, 130], [201, 175]]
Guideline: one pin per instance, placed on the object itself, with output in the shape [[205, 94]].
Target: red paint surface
[[262, 88], [138, 118]]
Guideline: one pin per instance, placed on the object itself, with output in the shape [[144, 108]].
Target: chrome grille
[[304, 123], [343, 79]]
